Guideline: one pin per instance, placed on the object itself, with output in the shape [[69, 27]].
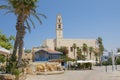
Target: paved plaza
[[98, 73]]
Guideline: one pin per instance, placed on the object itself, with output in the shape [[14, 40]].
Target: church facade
[[60, 41]]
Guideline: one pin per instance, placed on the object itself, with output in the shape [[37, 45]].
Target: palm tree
[[118, 50], [96, 54], [80, 56], [90, 51], [85, 48], [101, 48], [74, 47], [22, 9], [63, 49], [79, 53]]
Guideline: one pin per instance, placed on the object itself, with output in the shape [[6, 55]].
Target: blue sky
[[84, 19]]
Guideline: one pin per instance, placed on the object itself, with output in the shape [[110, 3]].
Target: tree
[[2, 58], [23, 9], [80, 56], [118, 50], [63, 49], [74, 47], [96, 54], [101, 48], [90, 51], [6, 41], [27, 50], [118, 61], [85, 48]]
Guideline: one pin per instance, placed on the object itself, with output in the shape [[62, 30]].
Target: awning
[[117, 54], [4, 51], [86, 61]]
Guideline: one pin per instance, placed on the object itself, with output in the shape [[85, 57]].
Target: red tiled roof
[[56, 60], [52, 51]]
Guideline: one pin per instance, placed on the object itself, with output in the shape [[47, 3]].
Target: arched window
[[59, 20], [59, 26]]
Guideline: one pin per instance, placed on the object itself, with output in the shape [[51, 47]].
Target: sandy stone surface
[[98, 73]]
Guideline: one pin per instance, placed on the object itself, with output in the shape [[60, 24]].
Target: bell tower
[[59, 27]]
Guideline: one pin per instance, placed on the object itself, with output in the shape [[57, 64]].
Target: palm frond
[[42, 15], [37, 17], [12, 38], [33, 10], [5, 7], [31, 22], [28, 26], [2, 6], [10, 11]]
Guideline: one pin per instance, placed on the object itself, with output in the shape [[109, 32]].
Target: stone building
[[60, 41]]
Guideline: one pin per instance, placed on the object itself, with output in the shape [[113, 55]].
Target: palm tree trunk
[[90, 55], [99, 59], [21, 42], [20, 51], [16, 44], [74, 53], [96, 59], [84, 53], [19, 37]]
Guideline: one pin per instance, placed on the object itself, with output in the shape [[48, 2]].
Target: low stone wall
[[50, 73], [7, 77], [39, 67], [22, 77], [12, 77]]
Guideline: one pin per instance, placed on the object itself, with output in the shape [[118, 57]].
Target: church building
[[60, 41]]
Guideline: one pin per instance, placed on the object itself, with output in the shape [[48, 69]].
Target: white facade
[[60, 41]]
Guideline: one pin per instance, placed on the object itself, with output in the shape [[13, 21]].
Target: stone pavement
[[98, 73]]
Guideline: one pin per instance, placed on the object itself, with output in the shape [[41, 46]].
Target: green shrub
[[118, 61], [2, 58], [16, 72], [109, 61], [85, 66], [105, 63]]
